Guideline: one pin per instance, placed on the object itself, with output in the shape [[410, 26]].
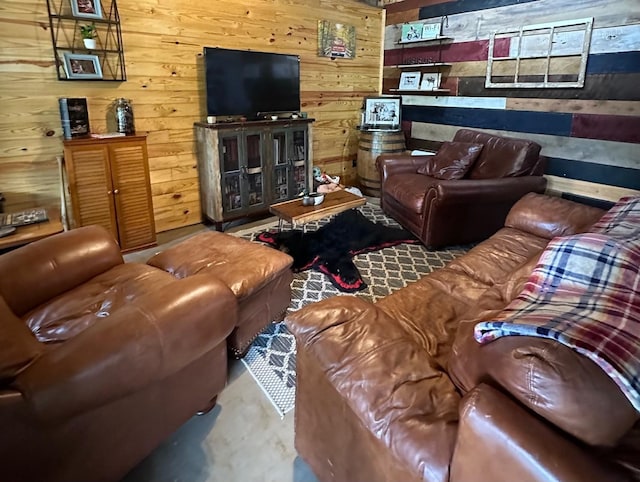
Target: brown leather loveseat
[[399, 390], [101, 360], [464, 192]]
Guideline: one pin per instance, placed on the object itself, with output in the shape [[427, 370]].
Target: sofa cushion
[[72, 312], [500, 156], [244, 266], [452, 161]]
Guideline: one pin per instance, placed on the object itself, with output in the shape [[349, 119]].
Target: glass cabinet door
[[230, 172], [242, 171], [298, 155], [280, 167], [254, 172]]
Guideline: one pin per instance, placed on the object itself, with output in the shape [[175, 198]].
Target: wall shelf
[[439, 38], [67, 41], [414, 66], [421, 92]]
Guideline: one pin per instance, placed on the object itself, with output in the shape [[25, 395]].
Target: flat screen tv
[[251, 84]]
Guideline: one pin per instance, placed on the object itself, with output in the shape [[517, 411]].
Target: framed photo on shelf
[[86, 8], [411, 32], [382, 113], [409, 81], [81, 66], [430, 81]]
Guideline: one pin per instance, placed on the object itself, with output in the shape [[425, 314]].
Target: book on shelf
[[74, 117]]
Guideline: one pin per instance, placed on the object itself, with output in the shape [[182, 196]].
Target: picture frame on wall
[[409, 81], [82, 66], [430, 81], [382, 113], [86, 8]]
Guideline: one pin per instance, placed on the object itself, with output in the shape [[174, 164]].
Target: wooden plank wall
[[163, 41], [590, 135]]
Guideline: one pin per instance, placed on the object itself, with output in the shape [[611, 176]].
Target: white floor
[[242, 439]]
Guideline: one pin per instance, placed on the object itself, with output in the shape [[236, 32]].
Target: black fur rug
[[331, 248]]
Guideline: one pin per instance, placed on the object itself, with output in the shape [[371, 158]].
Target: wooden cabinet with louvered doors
[[109, 185]]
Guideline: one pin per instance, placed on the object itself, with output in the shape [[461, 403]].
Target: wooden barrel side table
[[371, 145]]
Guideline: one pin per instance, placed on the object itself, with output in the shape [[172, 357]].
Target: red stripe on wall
[[454, 52], [606, 127]]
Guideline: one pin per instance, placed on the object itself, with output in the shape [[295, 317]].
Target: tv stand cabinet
[[244, 167]]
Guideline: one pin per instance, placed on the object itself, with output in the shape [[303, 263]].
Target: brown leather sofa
[[101, 360], [398, 390], [445, 208]]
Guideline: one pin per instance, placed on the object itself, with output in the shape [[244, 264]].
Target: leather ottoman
[[259, 276]]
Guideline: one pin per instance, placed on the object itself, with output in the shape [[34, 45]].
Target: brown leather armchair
[[101, 360], [443, 212]]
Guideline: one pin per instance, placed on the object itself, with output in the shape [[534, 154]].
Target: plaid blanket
[[585, 293]]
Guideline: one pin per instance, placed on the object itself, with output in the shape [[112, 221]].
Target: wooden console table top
[[33, 232], [334, 202]]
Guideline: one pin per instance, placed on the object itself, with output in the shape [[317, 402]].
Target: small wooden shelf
[[66, 39], [433, 64], [423, 92], [439, 38]]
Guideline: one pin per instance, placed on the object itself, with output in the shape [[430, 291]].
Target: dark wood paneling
[[597, 87], [552, 123], [592, 172], [607, 127], [463, 6], [623, 62]]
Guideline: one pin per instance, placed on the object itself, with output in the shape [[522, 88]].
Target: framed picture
[[382, 113], [411, 32], [81, 66], [86, 8], [409, 81], [430, 81], [431, 31]]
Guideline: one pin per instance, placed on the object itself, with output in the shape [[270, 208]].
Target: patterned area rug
[[271, 360]]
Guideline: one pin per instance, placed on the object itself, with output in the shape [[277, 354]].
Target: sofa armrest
[[486, 191], [399, 394], [498, 440], [147, 340], [35, 273], [548, 216], [390, 164]]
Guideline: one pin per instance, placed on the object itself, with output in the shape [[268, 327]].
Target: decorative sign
[[336, 40], [418, 31], [431, 31]]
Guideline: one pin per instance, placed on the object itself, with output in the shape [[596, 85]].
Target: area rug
[[330, 249], [271, 360]]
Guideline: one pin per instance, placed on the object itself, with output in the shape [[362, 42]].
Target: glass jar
[[124, 116]]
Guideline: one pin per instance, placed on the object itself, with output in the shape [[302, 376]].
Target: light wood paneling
[[163, 43]]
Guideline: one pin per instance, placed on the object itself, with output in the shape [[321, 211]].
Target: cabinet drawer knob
[[116, 191]]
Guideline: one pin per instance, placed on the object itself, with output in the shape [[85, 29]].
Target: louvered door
[[132, 194], [109, 185], [90, 186]]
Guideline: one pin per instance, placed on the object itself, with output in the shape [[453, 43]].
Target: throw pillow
[[452, 161]]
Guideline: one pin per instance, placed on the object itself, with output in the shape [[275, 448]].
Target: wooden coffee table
[[296, 214]]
